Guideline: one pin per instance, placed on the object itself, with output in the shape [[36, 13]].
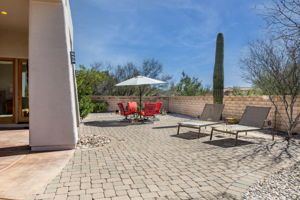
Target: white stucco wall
[[70, 44], [51, 82], [13, 43]]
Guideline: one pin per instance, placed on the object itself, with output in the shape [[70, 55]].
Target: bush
[[100, 107], [85, 106], [87, 79], [253, 92]]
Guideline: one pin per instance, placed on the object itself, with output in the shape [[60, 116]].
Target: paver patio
[[150, 161]]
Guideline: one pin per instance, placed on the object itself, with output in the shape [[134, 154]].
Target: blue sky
[[181, 34]]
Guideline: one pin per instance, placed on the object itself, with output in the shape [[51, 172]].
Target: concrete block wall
[[235, 106], [188, 105], [193, 105]]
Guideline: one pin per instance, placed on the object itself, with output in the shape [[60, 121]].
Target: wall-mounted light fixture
[[4, 13], [72, 56]]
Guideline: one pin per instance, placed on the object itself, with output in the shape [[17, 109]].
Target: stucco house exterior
[[37, 77]]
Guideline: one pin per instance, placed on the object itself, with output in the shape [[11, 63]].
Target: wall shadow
[[13, 151]]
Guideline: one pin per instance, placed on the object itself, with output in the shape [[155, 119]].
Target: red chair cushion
[[132, 107]]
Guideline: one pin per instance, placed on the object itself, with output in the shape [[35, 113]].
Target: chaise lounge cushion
[[234, 128], [196, 123]]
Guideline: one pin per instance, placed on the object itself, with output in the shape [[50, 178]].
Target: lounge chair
[[211, 115], [253, 119]]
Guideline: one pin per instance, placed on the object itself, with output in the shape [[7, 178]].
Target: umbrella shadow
[[117, 123], [110, 123]]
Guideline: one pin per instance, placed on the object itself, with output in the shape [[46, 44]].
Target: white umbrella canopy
[[140, 80]]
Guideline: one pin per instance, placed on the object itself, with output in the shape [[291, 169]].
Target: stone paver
[[149, 161]]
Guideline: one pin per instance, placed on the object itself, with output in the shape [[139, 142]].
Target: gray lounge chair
[[253, 119], [211, 115]]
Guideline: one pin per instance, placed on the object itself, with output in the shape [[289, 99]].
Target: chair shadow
[[227, 143], [162, 127], [190, 135], [13, 151]]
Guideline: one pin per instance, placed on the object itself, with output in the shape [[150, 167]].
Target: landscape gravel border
[[282, 185], [87, 141]]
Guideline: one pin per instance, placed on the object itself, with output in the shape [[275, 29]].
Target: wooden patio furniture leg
[[211, 133], [236, 138], [178, 129], [199, 131]]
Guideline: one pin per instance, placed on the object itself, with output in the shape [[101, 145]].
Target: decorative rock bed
[[92, 141], [283, 185]]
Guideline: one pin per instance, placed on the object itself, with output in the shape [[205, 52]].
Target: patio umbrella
[[140, 81]]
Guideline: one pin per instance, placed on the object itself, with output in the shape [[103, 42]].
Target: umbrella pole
[[140, 88]]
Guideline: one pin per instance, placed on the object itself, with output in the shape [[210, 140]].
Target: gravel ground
[[92, 141], [283, 185]]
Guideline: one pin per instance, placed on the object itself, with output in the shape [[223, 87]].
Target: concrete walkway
[[150, 161], [23, 173]]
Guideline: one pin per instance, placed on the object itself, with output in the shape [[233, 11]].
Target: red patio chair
[[158, 107], [132, 107], [149, 110], [123, 111]]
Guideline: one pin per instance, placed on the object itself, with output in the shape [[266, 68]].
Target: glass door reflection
[[23, 91], [6, 90]]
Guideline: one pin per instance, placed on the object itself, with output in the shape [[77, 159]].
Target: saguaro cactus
[[218, 79]]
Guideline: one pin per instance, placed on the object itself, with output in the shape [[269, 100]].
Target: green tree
[[190, 86], [87, 80], [253, 92], [151, 68]]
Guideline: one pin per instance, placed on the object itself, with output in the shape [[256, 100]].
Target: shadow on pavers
[[190, 135], [162, 127], [227, 143], [110, 123], [15, 150]]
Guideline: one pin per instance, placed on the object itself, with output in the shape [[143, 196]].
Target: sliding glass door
[[6, 90]]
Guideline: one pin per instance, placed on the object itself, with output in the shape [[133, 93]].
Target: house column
[[53, 124]]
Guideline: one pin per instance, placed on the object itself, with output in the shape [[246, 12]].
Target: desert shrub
[[100, 107]]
